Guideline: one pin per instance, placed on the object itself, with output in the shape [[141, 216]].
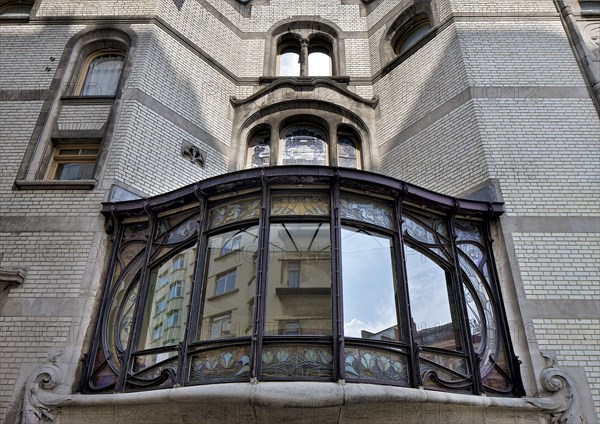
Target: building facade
[[298, 210]]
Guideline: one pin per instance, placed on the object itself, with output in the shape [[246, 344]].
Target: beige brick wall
[[559, 265], [575, 342]]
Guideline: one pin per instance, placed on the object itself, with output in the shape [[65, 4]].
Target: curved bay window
[[323, 281]]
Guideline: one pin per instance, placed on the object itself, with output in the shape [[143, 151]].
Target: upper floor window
[[289, 60], [304, 140], [16, 10], [225, 283], [101, 74], [348, 151], [319, 61], [260, 150], [304, 57], [178, 263], [411, 33], [73, 161]]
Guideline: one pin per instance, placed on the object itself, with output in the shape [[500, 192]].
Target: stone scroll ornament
[[40, 404], [563, 404]]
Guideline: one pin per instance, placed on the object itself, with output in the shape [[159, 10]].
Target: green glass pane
[[297, 361], [376, 364], [232, 363]]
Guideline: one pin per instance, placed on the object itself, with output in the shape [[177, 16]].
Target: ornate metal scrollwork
[[564, 404]]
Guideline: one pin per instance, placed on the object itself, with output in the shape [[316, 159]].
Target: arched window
[[17, 10], [289, 60], [297, 56], [348, 150], [101, 74], [303, 145], [319, 61], [411, 33], [259, 150]]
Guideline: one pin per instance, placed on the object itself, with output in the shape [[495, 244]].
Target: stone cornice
[[304, 83]]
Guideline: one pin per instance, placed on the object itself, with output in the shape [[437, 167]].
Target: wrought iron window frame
[[335, 181]]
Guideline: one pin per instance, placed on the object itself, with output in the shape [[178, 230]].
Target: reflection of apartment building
[[172, 288]]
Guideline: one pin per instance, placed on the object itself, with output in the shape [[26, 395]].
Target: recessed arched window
[[289, 60], [319, 61], [348, 150], [303, 145], [259, 150], [411, 33], [101, 74], [17, 10]]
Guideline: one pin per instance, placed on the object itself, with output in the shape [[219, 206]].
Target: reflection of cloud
[[367, 283], [427, 290]]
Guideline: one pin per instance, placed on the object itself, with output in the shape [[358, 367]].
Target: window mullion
[[193, 308], [337, 309], [459, 295], [261, 280], [139, 305], [402, 298]]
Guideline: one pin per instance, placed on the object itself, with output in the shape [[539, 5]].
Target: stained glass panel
[[367, 210], [298, 360], [236, 211], [376, 364], [347, 153], [232, 363], [300, 204], [260, 150], [304, 146]]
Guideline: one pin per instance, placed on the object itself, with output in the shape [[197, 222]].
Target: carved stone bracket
[[563, 404], [40, 403], [11, 276]]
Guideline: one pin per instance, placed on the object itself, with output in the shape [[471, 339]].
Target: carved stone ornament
[[40, 404], [592, 37], [563, 404]]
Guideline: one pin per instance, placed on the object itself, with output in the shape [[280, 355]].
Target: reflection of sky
[[367, 283], [427, 290]]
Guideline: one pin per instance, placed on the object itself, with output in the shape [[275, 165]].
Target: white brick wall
[[456, 167], [544, 152], [427, 79], [83, 117], [146, 145]]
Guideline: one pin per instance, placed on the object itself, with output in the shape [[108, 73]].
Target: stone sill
[[298, 402], [55, 184]]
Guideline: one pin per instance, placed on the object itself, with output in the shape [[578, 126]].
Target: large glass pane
[[432, 310], [299, 280], [304, 146], [319, 62], [289, 62], [165, 315], [229, 285], [368, 286]]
